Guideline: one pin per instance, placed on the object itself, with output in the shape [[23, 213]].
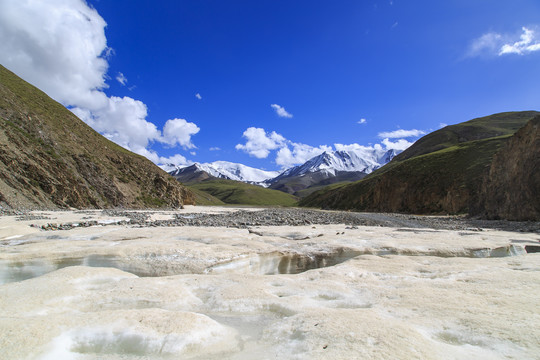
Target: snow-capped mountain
[[324, 169], [330, 167], [361, 160], [227, 170], [387, 156]]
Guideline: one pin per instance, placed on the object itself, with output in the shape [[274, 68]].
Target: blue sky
[[278, 81]]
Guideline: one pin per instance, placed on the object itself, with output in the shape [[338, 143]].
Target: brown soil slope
[[49, 158]]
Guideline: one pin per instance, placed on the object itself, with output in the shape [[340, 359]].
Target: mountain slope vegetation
[[441, 173], [235, 192], [49, 158]]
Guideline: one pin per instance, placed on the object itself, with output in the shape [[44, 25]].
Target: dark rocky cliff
[[511, 189]]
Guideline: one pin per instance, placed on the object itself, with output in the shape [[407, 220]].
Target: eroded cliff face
[[49, 158], [511, 190]]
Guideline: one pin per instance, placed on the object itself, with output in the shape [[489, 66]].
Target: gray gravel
[[296, 217]]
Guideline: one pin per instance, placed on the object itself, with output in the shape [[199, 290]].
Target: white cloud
[[60, 47], [280, 111], [259, 144], [198, 96], [357, 147], [526, 44], [121, 78], [122, 120], [362, 121], [300, 153], [493, 43], [215, 148], [486, 44], [441, 125], [176, 159], [401, 133], [179, 131], [400, 144]]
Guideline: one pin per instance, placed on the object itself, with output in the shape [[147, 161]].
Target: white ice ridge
[[317, 292], [143, 332]]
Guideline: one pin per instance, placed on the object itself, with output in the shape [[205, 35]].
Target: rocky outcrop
[[511, 189], [49, 158]]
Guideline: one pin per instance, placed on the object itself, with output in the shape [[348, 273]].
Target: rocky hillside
[[49, 159], [441, 173], [511, 189]]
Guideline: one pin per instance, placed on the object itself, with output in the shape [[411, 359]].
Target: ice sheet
[[213, 293]]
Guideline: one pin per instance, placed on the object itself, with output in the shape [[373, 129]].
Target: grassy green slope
[[441, 173], [204, 198], [485, 127], [235, 192]]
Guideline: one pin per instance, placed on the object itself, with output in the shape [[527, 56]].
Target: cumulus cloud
[[57, 45], [215, 148], [362, 121], [400, 144], [198, 96], [401, 133], [526, 44], [357, 147], [179, 131], [493, 43], [170, 163], [121, 78], [280, 111], [122, 120], [259, 143], [60, 47]]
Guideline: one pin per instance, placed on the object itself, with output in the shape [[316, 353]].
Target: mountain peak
[[363, 160], [228, 170]]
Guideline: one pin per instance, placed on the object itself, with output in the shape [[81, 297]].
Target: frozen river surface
[[118, 291]]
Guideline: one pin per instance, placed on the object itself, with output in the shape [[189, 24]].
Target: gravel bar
[[300, 217]]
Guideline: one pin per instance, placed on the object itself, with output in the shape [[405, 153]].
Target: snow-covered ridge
[[362, 160], [231, 171]]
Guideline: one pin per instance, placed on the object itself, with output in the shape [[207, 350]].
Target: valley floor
[[250, 283]]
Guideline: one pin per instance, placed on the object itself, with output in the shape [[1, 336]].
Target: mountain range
[[326, 168], [487, 167], [221, 170]]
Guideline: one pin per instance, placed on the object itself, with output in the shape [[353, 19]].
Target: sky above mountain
[[272, 83]]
